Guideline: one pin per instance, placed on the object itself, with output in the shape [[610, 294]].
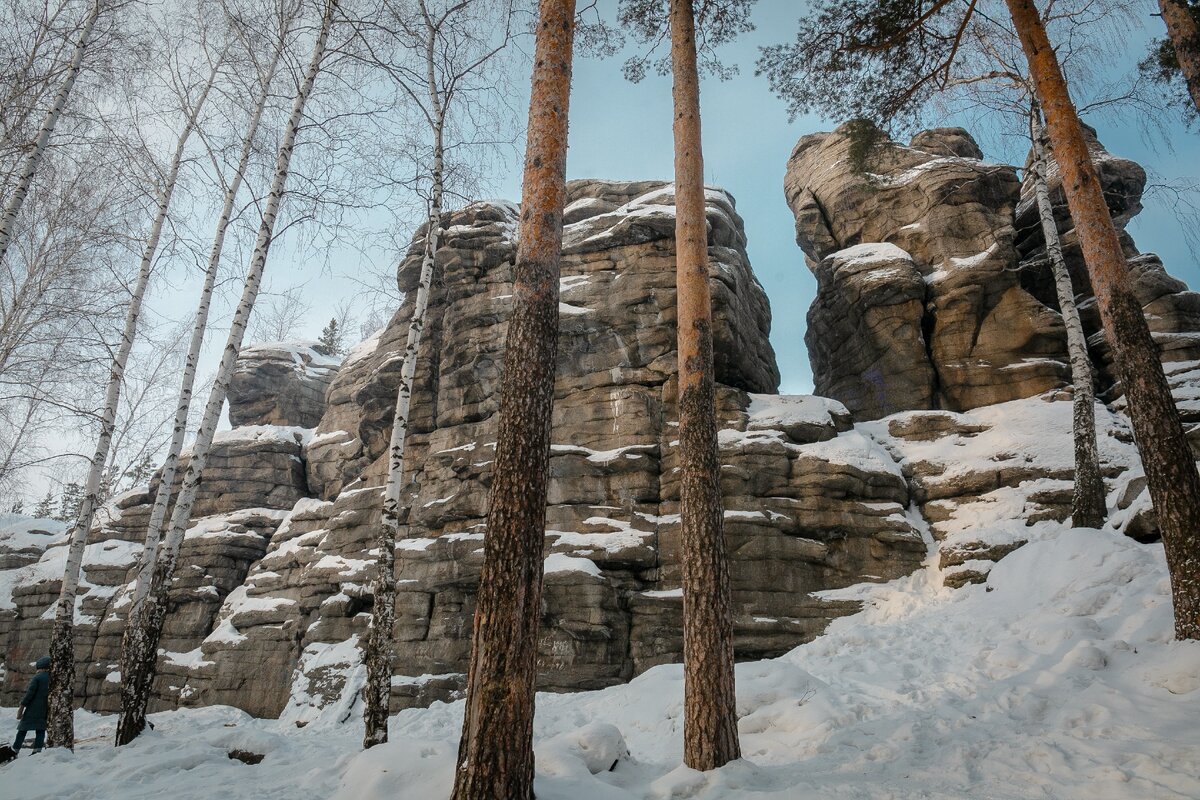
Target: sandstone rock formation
[[932, 287], [811, 503], [280, 383], [802, 514], [946, 438]]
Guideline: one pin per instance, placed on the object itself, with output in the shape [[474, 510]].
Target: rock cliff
[[942, 437], [933, 291]]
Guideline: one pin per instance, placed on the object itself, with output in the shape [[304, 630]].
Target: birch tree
[[1088, 508], [495, 754], [12, 205], [60, 728], [162, 497], [142, 655], [454, 44]]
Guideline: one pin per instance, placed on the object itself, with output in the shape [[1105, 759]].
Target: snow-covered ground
[[1059, 679]]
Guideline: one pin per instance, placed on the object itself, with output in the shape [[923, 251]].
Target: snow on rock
[[280, 383], [557, 562], [803, 418], [326, 685], [871, 253]]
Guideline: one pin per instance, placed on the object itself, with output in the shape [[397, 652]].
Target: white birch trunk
[[144, 661], [1088, 508], [61, 727], [383, 613], [162, 497], [12, 207]]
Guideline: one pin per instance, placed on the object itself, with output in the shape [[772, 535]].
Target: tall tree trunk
[[1088, 509], [162, 497], [143, 655], [1184, 33], [1170, 469], [383, 613], [495, 755], [710, 737], [61, 725], [379, 651], [12, 207]]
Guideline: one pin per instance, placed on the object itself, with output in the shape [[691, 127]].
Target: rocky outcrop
[[280, 383], [810, 503], [255, 476], [947, 439], [935, 250]]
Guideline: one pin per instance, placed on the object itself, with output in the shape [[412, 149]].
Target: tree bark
[[12, 207], [162, 497], [1088, 509], [61, 726], [379, 653], [495, 755], [1168, 462], [1184, 33], [143, 654], [710, 737]]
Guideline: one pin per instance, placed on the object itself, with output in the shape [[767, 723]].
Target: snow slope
[[1057, 679]]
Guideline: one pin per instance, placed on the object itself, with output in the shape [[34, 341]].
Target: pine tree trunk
[[143, 652], [1170, 469], [495, 755], [1088, 509], [162, 497], [61, 727], [12, 207], [1185, 38], [710, 737]]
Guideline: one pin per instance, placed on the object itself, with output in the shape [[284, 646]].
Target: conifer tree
[[1181, 51], [330, 341], [45, 507], [710, 708], [495, 754]]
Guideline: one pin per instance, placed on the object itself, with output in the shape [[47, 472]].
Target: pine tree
[[1181, 52], [331, 343], [710, 738], [45, 507], [69, 502], [495, 754], [1166, 456]]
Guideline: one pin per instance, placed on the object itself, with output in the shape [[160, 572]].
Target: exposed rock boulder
[[280, 383], [865, 330], [986, 339], [811, 504], [963, 275]]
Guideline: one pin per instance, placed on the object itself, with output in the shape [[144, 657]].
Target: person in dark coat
[[35, 706]]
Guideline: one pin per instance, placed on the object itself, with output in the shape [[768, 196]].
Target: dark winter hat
[[43, 662]]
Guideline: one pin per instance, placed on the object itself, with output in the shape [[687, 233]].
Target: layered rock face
[[280, 383], [933, 288], [942, 439], [802, 515], [255, 476]]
